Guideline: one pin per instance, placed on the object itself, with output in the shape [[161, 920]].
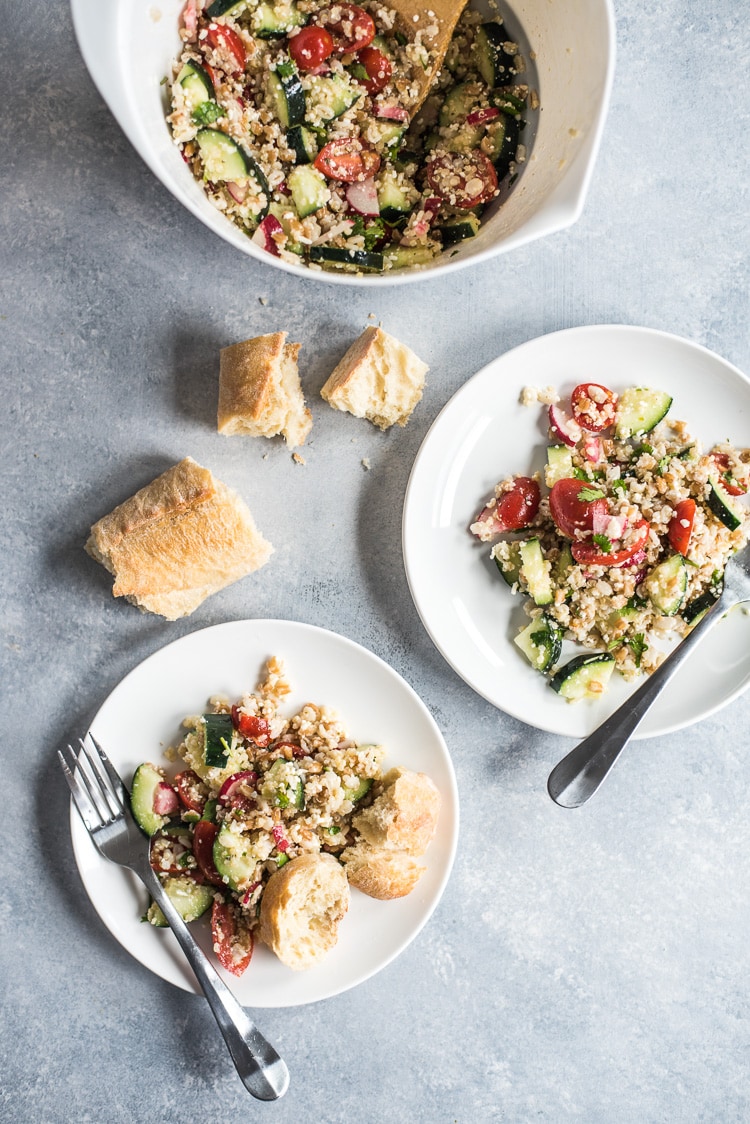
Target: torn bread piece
[[301, 908], [259, 390], [379, 379], [404, 814], [178, 540], [380, 873]]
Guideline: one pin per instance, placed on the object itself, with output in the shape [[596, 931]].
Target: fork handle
[[261, 1070]]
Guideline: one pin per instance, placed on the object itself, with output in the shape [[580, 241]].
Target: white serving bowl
[[129, 45]]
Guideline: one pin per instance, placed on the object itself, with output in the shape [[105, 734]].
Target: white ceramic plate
[[143, 715], [484, 434]]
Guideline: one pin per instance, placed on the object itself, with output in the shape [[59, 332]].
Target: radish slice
[[281, 841], [362, 197], [592, 448], [564, 427], [482, 116], [238, 191], [166, 800], [392, 113], [190, 17], [637, 560], [264, 235]]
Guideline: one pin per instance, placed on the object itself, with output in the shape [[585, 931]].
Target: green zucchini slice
[[639, 410], [190, 899], [584, 677]]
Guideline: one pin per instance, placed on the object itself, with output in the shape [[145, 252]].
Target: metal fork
[[578, 776], [104, 806]]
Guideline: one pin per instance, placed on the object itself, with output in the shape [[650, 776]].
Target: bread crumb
[[298, 459], [531, 395], [263, 300], [366, 463]]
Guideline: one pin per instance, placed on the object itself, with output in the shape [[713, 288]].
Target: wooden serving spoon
[[411, 17]]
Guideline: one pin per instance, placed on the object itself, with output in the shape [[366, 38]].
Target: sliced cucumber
[[234, 857], [696, 609], [510, 567], [196, 85], [224, 161], [309, 189], [496, 65], [666, 585], [535, 571], [190, 899], [401, 257], [350, 261], [501, 143], [639, 409], [723, 506], [584, 677], [218, 732], [359, 790], [541, 643], [303, 143], [459, 229], [271, 21], [460, 138], [146, 780], [224, 7], [510, 99], [459, 102], [559, 464], [392, 200], [286, 94], [328, 97], [562, 567], [283, 785]]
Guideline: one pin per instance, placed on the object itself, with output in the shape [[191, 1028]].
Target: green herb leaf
[[207, 112], [401, 39], [358, 71], [638, 646], [619, 485], [586, 495], [663, 465], [604, 544]]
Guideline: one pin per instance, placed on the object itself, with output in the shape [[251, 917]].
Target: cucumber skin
[[218, 733], [190, 899], [572, 667], [145, 780]]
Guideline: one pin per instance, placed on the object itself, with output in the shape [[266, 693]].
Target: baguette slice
[[379, 379], [404, 814], [301, 908], [381, 873], [179, 539], [259, 390]]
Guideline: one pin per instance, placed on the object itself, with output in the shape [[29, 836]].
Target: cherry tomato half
[[231, 938], [681, 526], [463, 179], [593, 406], [191, 790], [378, 70], [591, 554], [351, 27], [573, 505], [346, 160], [228, 43], [515, 508], [251, 726], [728, 482], [310, 47], [203, 849]]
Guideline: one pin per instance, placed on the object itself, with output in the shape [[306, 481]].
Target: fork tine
[[114, 776], [84, 807], [91, 785], [102, 792]]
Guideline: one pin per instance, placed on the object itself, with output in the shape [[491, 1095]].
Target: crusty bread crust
[[259, 390], [404, 814], [179, 539], [379, 378], [379, 873], [301, 908]]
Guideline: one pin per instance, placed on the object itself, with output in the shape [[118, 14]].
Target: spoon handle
[[578, 776]]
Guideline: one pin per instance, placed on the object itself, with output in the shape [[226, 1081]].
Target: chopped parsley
[[638, 646], [207, 112], [604, 544], [401, 39], [587, 494], [663, 465], [619, 485], [372, 232]]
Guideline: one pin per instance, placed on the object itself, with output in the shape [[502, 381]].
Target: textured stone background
[[588, 966]]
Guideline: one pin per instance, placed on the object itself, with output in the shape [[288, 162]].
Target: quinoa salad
[[621, 547], [252, 790], [302, 121]]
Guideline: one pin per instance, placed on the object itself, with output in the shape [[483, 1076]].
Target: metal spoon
[[578, 776]]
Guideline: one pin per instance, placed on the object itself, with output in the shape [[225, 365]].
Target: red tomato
[[297, 750], [378, 69], [593, 406], [310, 47], [516, 508], [203, 849], [251, 726], [165, 854], [728, 482], [191, 790], [591, 554], [226, 40], [681, 526], [463, 179], [351, 27], [231, 938], [346, 160], [570, 508]]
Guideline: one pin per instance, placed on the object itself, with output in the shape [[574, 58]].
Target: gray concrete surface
[[588, 966]]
